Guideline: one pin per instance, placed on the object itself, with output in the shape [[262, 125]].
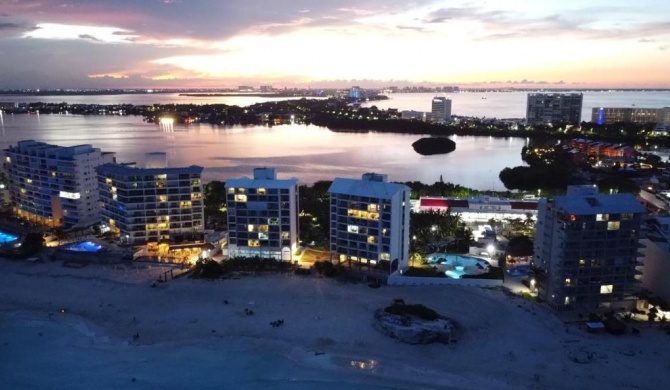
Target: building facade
[[369, 223], [586, 249], [546, 108], [159, 207], [55, 186], [441, 110], [262, 216], [480, 209], [637, 115]]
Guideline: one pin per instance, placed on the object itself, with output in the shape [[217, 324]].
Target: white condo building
[[369, 223], [441, 110], [55, 186], [159, 207], [586, 248], [262, 216]]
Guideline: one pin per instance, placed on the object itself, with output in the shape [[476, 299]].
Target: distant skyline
[[301, 43]]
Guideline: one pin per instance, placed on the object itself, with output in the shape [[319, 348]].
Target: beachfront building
[[262, 216], [636, 115], [481, 208], [55, 186], [161, 208], [586, 248], [440, 110], [548, 108], [369, 223]]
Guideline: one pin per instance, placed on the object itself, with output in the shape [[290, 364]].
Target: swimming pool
[[7, 238], [458, 265], [84, 246]]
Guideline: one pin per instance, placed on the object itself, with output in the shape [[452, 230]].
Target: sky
[[334, 43]]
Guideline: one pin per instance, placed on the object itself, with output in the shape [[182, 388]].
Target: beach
[[116, 327]]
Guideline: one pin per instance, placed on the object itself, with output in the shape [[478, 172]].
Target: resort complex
[[55, 186], [262, 216], [586, 250], [159, 207], [369, 223]]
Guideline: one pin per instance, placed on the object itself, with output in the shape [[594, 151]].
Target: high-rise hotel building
[[637, 115], [441, 110], [369, 223], [262, 216], [161, 207], [586, 249], [546, 108], [55, 186]]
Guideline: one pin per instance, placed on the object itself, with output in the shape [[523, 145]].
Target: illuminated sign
[[70, 195]]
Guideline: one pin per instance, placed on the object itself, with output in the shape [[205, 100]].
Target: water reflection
[[309, 153]]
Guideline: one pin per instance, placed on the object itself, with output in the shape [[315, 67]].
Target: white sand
[[506, 342]]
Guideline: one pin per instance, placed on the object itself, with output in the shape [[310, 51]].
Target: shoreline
[[328, 333]]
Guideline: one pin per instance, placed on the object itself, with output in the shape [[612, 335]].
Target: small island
[[434, 145]]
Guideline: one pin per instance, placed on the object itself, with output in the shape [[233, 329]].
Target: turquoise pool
[[84, 246], [458, 264], [7, 238]]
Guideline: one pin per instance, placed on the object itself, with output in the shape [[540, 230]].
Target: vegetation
[[417, 310], [315, 212], [435, 231], [212, 269], [434, 145]]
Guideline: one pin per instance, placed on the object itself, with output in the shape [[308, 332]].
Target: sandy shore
[[505, 343]]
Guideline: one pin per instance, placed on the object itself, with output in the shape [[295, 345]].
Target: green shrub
[[416, 310]]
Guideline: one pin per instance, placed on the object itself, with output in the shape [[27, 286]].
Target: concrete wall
[[399, 280]]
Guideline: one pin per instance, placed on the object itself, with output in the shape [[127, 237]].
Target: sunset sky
[[333, 43]]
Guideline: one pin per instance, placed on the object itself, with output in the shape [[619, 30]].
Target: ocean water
[[71, 354]]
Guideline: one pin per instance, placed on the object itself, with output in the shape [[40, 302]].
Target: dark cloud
[[89, 37]]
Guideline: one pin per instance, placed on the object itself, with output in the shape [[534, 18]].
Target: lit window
[[606, 288], [254, 243], [372, 240], [352, 229], [108, 181], [567, 282], [602, 217], [582, 263], [231, 190], [241, 190], [273, 221], [251, 228], [385, 256], [8, 159], [284, 235], [626, 217], [373, 208], [613, 225], [29, 181], [240, 198], [261, 191]]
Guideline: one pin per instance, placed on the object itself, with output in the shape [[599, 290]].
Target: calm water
[[495, 104], [309, 153]]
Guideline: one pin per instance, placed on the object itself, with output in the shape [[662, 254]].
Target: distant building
[[369, 223], [245, 88], [414, 115], [158, 206], [586, 248], [543, 108], [267, 88], [356, 92], [441, 110], [480, 209], [602, 149], [637, 115], [655, 258], [54, 185], [262, 216]]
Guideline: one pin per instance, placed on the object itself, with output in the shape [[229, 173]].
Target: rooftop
[[590, 204], [372, 189]]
